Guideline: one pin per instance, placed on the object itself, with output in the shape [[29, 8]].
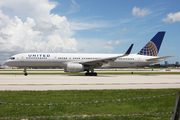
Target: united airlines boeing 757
[[76, 62]]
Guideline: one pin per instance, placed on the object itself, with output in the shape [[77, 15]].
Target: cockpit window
[[12, 58]]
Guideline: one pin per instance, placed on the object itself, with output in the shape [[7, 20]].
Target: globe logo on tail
[[149, 49]]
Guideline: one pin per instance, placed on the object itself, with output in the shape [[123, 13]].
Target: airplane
[[80, 62]]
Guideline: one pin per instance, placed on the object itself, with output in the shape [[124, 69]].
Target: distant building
[[177, 63], [166, 63], [3, 66]]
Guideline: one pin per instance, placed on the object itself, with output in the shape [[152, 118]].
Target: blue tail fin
[[153, 46]]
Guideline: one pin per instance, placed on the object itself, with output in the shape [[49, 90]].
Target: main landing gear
[[25, 72], [92, 73]]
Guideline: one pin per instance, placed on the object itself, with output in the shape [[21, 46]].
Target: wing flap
[[100, 62]]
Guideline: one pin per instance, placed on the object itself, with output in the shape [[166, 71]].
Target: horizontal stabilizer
[[159, 58]]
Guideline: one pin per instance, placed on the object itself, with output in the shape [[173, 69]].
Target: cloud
[[74, 7], [110, 43], [45, 27], [91, 23], [4, 36], [140, 12], [109, 48], [172, 17], [74, 4], [28, 26], [81, 50], [86, 26], [99, 46], [124, 29], [117, 42], [38, 10]]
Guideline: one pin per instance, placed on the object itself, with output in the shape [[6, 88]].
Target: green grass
[[29, 70], [145, 106], [95, 70]]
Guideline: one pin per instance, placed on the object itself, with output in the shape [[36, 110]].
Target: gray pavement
[[96, 70], [76, 82]]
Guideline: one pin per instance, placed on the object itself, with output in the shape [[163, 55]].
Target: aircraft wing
[[100, 62], [159, 58]]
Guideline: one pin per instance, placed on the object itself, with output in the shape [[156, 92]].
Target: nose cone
[[11, 62], [8, 63]]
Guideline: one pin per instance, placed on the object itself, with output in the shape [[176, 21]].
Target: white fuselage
[[62, 59]]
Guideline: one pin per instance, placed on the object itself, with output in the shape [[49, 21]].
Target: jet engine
[[73, 67]]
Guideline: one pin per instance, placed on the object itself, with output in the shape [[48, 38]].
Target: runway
[[77, 82], [96, 70]]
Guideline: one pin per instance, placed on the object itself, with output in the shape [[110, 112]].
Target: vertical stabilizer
[[153, 46]]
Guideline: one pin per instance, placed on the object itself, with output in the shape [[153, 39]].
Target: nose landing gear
[[25, 72]]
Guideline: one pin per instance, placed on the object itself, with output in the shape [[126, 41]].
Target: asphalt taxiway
[[80, 82]]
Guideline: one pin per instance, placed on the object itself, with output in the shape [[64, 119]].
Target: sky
[[87, 26]]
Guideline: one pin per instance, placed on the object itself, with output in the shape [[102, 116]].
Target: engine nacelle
[[73, 67]]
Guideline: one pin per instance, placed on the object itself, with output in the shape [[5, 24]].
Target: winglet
[[129, 50]]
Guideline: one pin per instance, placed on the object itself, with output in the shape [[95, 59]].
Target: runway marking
[[86, 84]]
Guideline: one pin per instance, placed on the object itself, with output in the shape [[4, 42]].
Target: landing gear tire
[[91, 74], [94, 74], [86, 74], [25, 74]]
